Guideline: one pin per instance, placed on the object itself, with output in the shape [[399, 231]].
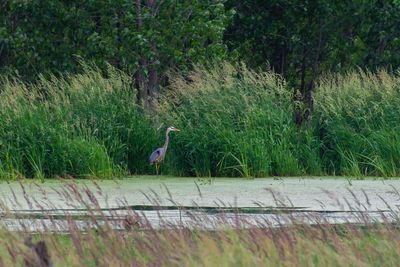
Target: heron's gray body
[[157, 156]]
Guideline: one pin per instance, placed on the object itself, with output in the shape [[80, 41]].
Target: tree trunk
[[120, 17], [147, 85], [139, 78], [299, 95], [152, 83], [308, 98]]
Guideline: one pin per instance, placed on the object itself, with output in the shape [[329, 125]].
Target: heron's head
[[172, 129]]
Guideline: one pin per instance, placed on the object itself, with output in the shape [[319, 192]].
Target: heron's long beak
[[177, 130]]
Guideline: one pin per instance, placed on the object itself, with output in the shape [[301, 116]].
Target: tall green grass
[[236, 122], [357, 118], [80, 125]]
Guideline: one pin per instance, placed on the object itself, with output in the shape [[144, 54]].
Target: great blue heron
[[158, 155]]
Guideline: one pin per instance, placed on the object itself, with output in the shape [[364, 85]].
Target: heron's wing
[[156, 155]]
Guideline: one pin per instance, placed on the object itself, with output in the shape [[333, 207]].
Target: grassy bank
[[234, 122]]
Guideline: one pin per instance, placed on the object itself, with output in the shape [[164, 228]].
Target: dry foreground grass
[[321, 245], [93, 240]]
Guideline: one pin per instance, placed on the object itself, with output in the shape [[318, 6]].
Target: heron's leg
[[157, 168]]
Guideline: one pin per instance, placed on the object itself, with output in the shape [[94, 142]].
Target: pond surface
[[190, 202]]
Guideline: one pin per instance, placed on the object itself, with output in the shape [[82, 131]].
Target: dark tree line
[[303, 38], [142, 37], [146, 38]]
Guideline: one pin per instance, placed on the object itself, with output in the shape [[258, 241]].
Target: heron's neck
[[165, 146]]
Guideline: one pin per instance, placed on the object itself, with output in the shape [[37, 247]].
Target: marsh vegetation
[[234, 121]]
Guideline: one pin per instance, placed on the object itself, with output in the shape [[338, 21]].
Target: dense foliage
[[327, 35], [296, 38], [49, 36]]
